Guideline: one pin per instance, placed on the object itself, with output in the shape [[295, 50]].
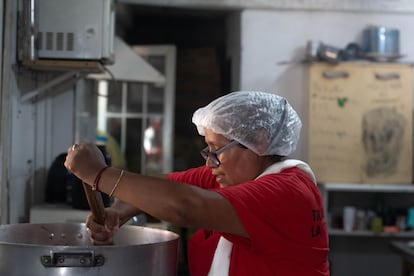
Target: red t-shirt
[[284, 217]]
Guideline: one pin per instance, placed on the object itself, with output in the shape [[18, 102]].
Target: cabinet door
[[386, 123], [360, 122], [334, 111]]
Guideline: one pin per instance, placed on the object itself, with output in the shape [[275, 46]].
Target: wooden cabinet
[[360, 122]]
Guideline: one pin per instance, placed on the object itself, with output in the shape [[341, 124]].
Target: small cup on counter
[[349, 216]]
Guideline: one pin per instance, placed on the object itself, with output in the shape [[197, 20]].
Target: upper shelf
[[350, 187], [63, 65]]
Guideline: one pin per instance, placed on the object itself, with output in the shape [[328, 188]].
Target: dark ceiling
[[183, 27]]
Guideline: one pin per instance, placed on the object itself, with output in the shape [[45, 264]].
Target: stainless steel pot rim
[[74, 235], [83, 247]]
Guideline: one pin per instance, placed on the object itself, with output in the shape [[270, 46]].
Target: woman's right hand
[[103, 234]]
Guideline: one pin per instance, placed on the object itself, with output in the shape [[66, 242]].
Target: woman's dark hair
[[275, 158], [272, 158]]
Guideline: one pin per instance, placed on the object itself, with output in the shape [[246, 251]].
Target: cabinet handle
[[387, 76], [335, 74]]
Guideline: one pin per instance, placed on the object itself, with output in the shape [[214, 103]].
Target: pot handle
[[95, 203], [72, 259]]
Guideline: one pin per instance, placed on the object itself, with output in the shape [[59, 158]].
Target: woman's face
[[237, 164]]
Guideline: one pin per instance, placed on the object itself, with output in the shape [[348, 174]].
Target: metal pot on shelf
[[381, 43]]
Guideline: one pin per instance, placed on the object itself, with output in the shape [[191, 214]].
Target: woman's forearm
[[177, 203]]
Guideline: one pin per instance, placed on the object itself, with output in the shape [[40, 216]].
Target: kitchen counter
[[57, 213], [62, 213], [406, 251]]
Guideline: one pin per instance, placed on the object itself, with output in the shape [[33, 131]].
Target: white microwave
[[75, 29]]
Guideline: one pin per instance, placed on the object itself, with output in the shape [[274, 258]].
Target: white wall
[[273, 36]]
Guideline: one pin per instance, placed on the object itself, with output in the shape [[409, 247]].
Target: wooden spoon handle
[[95, 203]]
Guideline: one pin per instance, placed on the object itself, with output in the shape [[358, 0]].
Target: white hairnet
[[263, 122]]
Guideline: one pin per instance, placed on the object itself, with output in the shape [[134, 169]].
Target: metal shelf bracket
[[74, 75]]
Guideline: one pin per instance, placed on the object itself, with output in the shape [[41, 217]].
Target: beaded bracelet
[[97, 178], [116, 183]]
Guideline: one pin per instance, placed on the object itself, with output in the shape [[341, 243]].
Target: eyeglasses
[[213, 155]]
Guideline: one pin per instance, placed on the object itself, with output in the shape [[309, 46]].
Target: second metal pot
[[381, 42]]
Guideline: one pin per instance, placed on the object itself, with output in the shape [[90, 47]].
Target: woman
[[258, 214]]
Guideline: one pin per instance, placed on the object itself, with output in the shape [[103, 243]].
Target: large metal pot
[[65, 249]]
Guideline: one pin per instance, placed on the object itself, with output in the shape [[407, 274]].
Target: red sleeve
[[201, 177], [283, 209]]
